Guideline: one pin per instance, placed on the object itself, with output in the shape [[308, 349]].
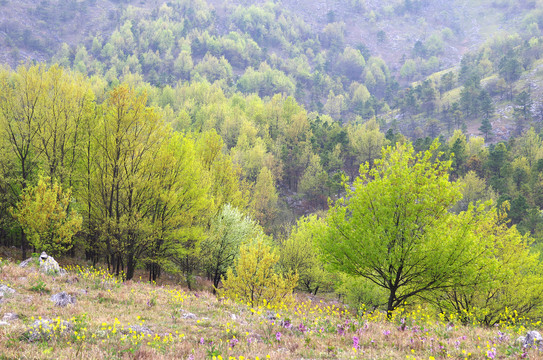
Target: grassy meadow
[[112, 319]]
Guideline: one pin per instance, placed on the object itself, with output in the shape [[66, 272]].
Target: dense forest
[[180, 135]]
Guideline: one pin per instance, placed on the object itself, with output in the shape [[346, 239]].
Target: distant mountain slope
[[405, 22], [34, 30]]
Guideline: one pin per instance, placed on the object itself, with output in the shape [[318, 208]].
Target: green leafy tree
[[45, 214], [394, 229], [365, 144], [129, 138], [510, 69], [313, 182], [180, 207], [264, 198]]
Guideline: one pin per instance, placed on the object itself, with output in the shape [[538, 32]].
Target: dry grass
[[106, 309]]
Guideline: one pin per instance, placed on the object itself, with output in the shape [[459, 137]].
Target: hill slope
[[138, 320]]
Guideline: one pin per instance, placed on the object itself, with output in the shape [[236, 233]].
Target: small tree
[[486, 128], [255, 280], [229, 230], [46, 218]]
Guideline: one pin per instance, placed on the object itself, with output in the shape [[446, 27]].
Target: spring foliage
[[394, 227], [45, 216], [255, 280]]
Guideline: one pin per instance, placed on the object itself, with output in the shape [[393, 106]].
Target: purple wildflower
[[287, 324], [356, 341], [491, 354], [233, 342], [278, 336]]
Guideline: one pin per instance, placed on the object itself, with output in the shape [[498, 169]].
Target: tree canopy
[[394, 228]]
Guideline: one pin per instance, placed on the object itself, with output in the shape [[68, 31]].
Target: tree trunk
[[130, 266], [390, 303], [23, 244]]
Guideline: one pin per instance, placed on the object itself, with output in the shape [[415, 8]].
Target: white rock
[[48, 264], [25, 262], [188, 315], [533, 338]]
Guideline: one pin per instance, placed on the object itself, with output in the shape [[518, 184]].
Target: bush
[[255, 281]]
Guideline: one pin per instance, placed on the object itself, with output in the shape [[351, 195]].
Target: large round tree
[[394, 228]]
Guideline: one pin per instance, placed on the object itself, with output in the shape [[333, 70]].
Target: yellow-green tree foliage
[[299, 254], [255, 281], [510, 277], [44, 214]]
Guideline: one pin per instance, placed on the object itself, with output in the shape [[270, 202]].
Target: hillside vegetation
[[387, 154]]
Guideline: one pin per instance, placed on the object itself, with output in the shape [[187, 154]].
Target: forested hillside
[[200, 138]]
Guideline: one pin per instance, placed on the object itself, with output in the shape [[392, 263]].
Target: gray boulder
[[47, 329], [5, 290], [10, 317], [62, 299], [188, 315], [532, 339], [4, 323], [26, 262], [140, 329]]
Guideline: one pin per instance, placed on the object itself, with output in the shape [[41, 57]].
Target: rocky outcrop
[[139, 329], [49, 265], [26, 262], [10, 317]]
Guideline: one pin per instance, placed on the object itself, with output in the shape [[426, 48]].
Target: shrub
[[255, 280]]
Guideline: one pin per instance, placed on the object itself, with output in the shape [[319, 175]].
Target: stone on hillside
[[188, 315], [5, 290], [62, 299], [49, 265], [26, 262], [47, 329], [532, 339], [10, 317], [4, 323]]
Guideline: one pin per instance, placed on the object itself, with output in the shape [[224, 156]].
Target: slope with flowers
[[138, 320]]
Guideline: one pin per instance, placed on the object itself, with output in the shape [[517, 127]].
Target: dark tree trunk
[[130, 266], [23, 244]]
